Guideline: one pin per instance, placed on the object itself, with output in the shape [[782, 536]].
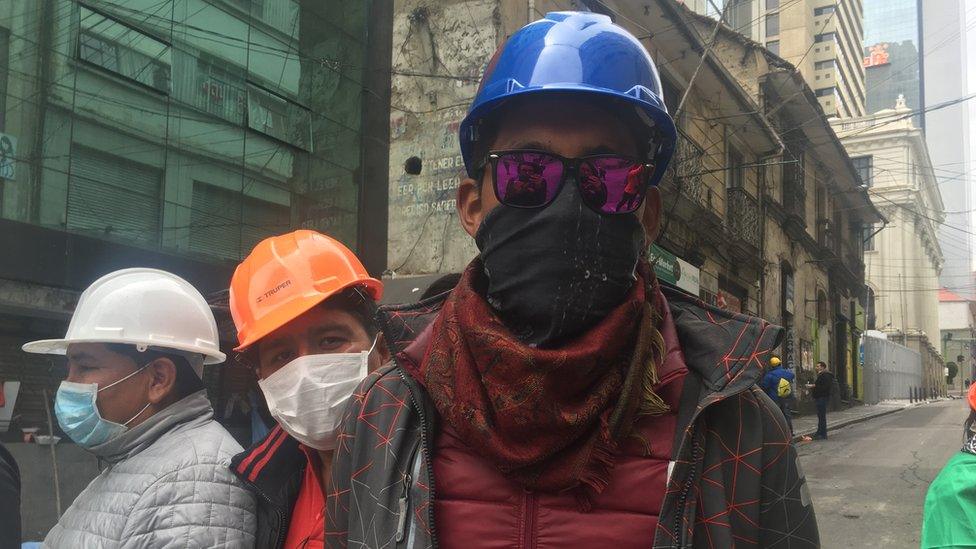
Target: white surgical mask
[[308, 395]]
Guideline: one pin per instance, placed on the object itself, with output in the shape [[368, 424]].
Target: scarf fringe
[[650, 403], [596, 477]]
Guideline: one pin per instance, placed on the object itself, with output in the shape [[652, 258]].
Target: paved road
[[868, 480]]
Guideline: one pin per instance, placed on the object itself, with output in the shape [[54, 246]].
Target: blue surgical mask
[[78, 414]]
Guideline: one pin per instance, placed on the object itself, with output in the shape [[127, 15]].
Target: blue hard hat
[[578, 53]]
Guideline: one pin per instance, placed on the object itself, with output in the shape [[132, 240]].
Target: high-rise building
[[944, 79], [917, 50], [822, 38], [893, 55]]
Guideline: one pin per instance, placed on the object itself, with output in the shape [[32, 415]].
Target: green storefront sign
[[674, 270]]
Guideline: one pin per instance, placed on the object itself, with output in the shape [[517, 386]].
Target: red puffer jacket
[[478, 508]]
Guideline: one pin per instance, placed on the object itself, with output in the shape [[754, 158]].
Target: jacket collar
[[191, 411], [271, 465], [725, 350]]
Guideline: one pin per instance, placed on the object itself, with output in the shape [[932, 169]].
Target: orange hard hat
[[285, 276], [972, 396]]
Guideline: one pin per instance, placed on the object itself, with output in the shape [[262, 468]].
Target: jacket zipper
[[425, 448], [403, 504], [530, 505], [280, 538], [683, 498]]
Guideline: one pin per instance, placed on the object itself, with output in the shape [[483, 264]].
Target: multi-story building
[[176, 134], [752, 224], [822, 38], [948, 134], [903, 255], [957, 322], [917, 50]]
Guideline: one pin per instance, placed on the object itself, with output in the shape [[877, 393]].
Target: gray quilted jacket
[[167, 484]]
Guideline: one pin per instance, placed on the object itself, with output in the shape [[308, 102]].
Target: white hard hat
[[141, 307]]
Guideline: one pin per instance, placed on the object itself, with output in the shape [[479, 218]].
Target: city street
[[869, 480]]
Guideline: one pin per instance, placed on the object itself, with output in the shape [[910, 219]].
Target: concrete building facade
[[903, 255], [742, 238]]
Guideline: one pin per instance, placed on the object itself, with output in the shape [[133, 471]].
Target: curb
[[847, 422]]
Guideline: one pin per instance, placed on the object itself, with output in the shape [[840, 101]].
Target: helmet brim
[[60, 347]]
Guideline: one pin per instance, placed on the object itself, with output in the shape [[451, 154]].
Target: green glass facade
[[187, 126]]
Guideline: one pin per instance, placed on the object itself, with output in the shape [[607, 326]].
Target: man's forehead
[[323, 318], [546, 126]]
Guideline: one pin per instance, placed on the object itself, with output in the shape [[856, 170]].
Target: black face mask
[[555, 272]]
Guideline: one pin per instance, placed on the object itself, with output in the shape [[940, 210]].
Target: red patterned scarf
[[550, 419]]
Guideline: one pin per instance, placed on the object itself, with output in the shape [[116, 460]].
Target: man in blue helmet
[[559, 396]]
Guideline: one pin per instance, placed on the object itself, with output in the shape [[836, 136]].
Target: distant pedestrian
[[950, 503], [778, 384], [821, 396]]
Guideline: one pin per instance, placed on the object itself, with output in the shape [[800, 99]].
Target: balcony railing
[[742, 217], [687, 167]]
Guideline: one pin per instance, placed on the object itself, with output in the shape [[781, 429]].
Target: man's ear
[[162, 383], [470, 206], [651, 215], [382, 351]]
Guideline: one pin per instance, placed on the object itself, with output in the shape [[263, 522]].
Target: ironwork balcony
[[688, 165], [742, 217]]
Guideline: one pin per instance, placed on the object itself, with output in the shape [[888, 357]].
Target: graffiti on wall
[[439, 52]]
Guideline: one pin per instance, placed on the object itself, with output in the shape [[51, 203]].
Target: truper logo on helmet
[[274, 290]]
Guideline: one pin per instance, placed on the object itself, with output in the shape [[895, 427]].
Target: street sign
[[8, 149], [674, 270]]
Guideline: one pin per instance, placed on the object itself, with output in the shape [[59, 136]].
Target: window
[[211, 85], [739, 14], [772, 24], [826, 37], [773, 46], [824, 65], [736, 172], [113, 197], [864, 166], [870, 311], [772, 4], [824, 10], [126, 52], [867, 237], [823, 92], [216, 226], [672, 95], [4, 60], [278, 117]]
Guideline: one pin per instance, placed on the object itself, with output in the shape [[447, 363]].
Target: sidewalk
[[807, 424]]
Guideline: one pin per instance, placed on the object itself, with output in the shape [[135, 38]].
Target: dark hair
[[822, 363], [187, 380], [355, 302], [967, 430], [443, 284]]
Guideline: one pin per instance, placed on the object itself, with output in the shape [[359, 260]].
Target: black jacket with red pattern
[[735, 482]]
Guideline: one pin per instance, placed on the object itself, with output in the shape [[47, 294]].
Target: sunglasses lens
[[527, 179], [613, 184]]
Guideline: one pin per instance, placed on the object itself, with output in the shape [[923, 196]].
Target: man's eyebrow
[[330, 327], [79, 356]]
